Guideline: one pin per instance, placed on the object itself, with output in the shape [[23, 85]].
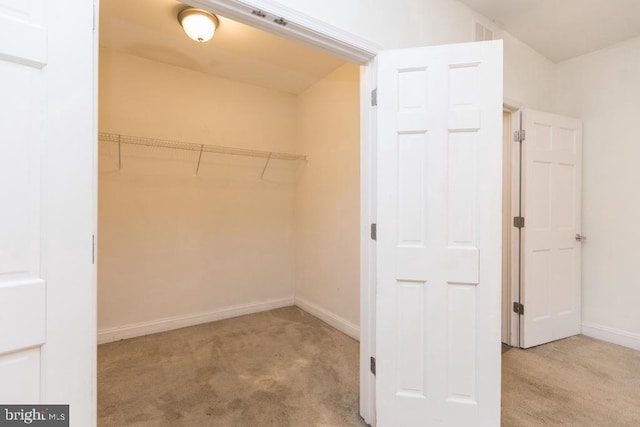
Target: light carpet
[[278, 368], [287, 368], [578, 381]]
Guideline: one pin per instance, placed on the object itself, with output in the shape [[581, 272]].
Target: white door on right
[[439, 187], [551, 236]]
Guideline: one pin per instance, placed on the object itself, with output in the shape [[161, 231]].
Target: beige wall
[[327, 202], [602, 89], [173, 244]]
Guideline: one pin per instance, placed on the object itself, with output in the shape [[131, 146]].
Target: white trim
[[94, 202], [177, 322], [514, 326], [612, 335], [330, 318], [511, 105], [64, 138], [507, 178], [368, 197], [299, 27]]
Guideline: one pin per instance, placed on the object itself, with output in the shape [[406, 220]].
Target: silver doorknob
[[580, 238]]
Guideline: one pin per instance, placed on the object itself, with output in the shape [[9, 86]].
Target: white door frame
[[515, 262], [506, 225], [511, 238], [320, 35]]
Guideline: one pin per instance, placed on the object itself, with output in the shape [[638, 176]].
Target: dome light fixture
[[198, 24]]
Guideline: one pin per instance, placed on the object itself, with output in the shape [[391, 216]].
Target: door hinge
[[519, 135], [93, 249], [374, 97], [372, 365], [518, 308], [281, 21], [374, 231], [518, 222]]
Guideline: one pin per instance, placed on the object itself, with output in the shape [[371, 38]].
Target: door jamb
[[306, 30], [506, 226], [368, 202], [512, 152]]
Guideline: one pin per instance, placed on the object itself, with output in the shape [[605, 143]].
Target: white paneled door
[[551, 244], [439, 236], [47, 139]]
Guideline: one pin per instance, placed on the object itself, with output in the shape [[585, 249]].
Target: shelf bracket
[[264, 169], [119, 153], [199, 158]]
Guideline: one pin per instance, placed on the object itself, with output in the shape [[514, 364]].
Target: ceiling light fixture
[[198, 24]]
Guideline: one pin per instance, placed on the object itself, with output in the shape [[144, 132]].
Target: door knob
[[580, 238]]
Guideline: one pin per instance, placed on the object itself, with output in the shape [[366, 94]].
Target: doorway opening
[[230, 183]]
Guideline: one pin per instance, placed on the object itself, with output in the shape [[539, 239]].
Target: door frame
[[506, 225], [510, 240], [317, 34]]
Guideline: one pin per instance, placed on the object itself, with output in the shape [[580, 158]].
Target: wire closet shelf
[[199, 148]]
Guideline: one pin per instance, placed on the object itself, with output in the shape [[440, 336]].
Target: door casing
[[510, 239]]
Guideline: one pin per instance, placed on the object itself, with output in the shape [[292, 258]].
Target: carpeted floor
[[577, 381], [285, 368], [279, 368]]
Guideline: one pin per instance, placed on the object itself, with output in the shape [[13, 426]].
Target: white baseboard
[[330, 318], [177, 322], [615, 336]]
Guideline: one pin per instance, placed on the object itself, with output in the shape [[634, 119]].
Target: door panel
[[23, 42], [21, 368], [439, 235], [22, 303], [551, 200]]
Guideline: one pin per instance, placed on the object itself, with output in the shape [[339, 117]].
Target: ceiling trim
[[293, 25]]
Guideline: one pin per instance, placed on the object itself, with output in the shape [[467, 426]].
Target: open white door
[[47, 198], [439, 236], [551, 242]]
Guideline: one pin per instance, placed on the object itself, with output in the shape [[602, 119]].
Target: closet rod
[[179, 145]]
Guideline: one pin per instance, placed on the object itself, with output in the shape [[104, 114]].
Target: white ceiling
[[558, 29], [150, 29], [562, 29]]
